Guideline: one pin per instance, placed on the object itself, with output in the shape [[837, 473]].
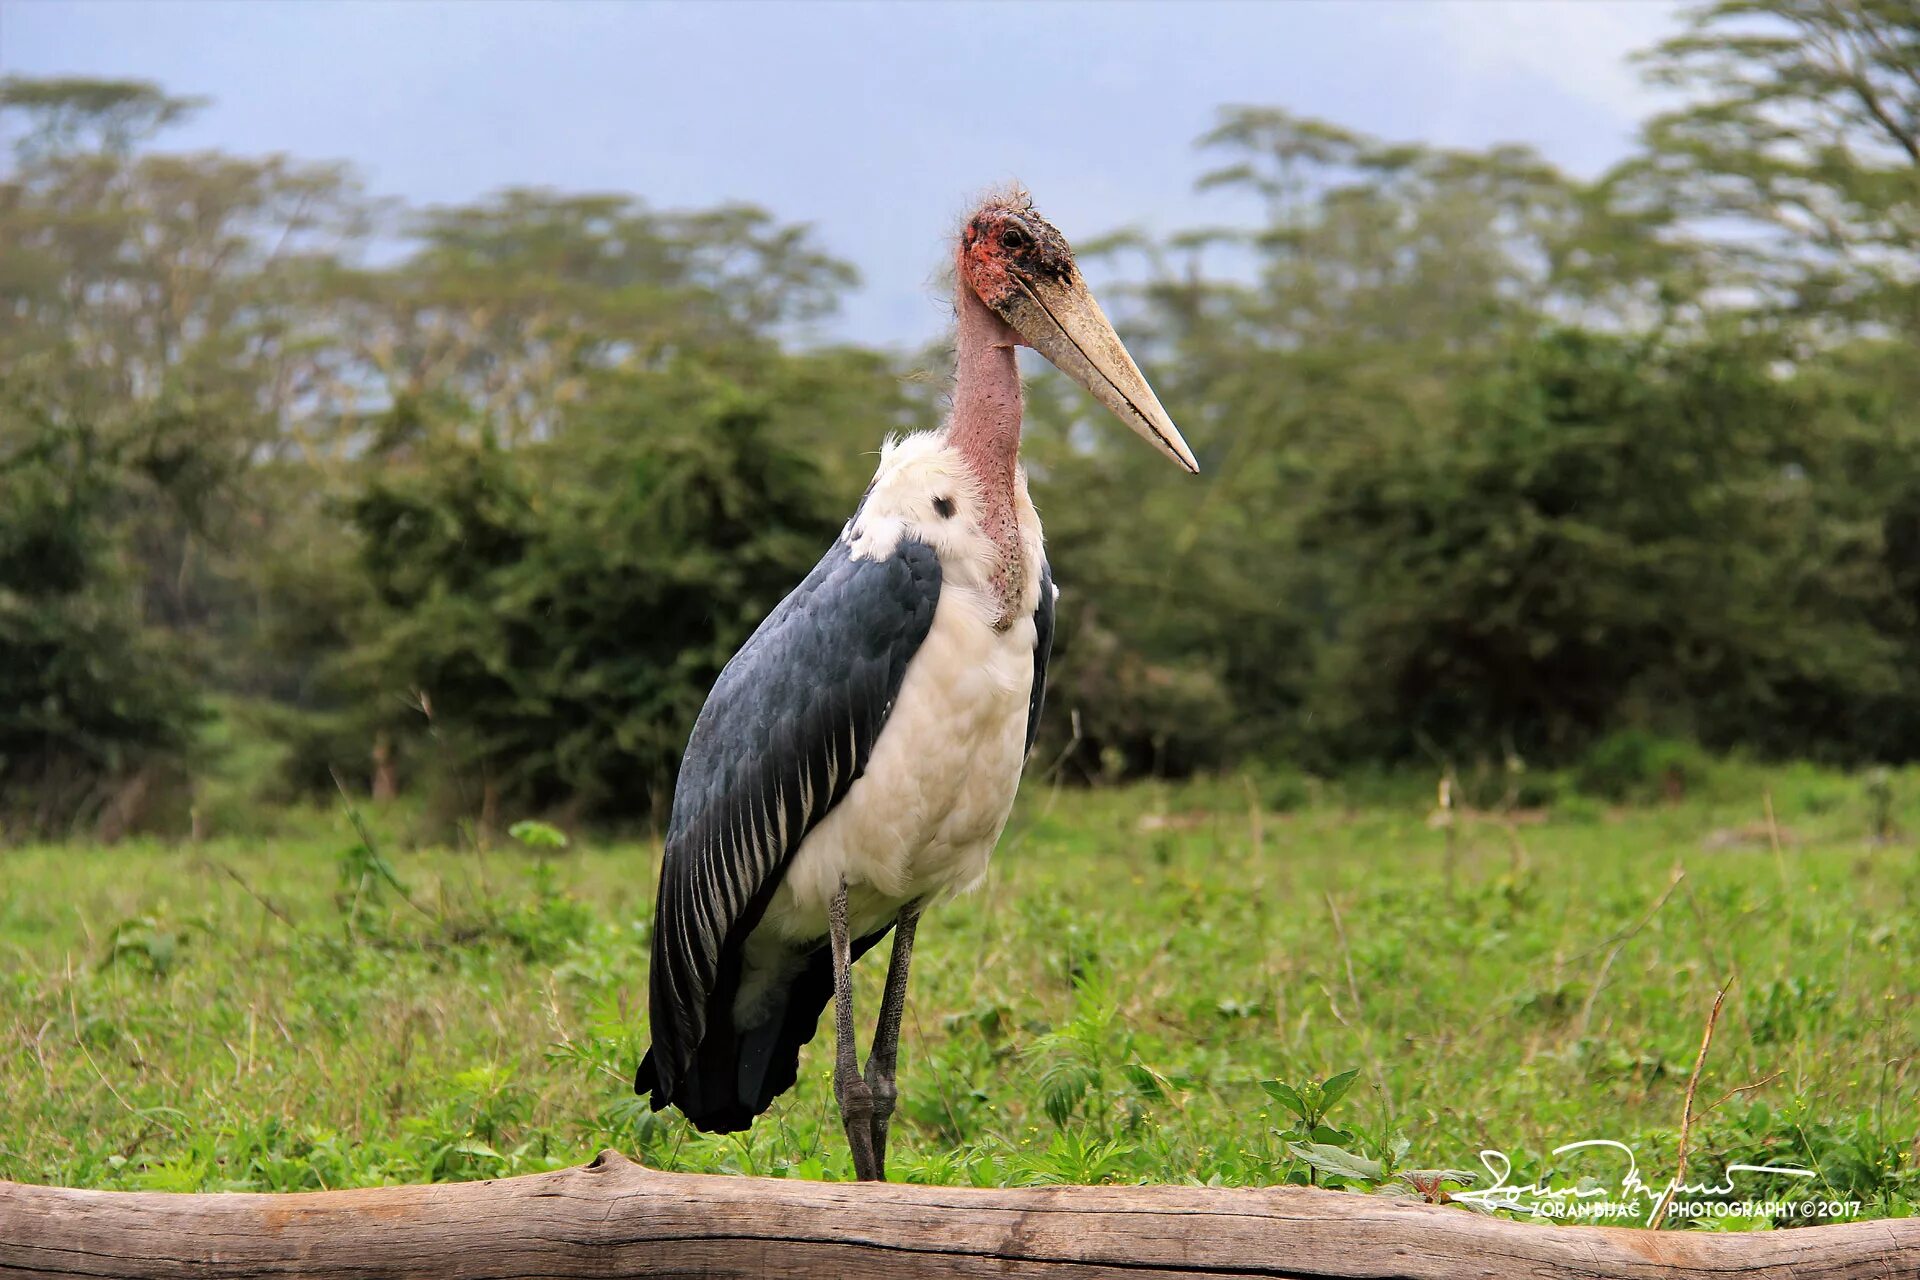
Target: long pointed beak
[[1060, 320]]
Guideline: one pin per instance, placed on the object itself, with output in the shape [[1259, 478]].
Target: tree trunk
[[614, 1218], [385, 787], [489, 811]]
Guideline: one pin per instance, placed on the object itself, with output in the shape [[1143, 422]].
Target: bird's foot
[[856, 1116]]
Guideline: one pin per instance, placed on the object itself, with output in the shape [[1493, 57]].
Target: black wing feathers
[[789, 726], [1042, 650]]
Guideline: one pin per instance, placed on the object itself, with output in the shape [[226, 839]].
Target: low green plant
[[1635, 766]]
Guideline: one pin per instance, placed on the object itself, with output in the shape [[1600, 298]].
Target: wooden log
[[614, 1218]]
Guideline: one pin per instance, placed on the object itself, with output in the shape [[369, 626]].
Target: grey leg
[[886, 1036], [855, 1098]]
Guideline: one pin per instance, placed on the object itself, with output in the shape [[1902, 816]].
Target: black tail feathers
[[736, 1073]]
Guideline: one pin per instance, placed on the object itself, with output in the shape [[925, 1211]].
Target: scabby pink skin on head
[[983, 260]]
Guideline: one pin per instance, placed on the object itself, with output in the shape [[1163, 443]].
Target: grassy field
[[1148, 988]]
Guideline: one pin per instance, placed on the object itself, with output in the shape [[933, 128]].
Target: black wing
[[1042, 650], [789, 726]]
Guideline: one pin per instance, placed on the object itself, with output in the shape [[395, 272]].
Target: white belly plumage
[[921, 822]]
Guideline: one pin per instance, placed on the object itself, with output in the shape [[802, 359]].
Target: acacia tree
[[151, 313], [507, 308], [167, 305], [1796, 160]]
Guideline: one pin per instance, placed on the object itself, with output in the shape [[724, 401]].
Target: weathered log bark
[[614, 1218]]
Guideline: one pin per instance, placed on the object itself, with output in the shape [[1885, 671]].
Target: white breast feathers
[[924, 489], [923, 818]]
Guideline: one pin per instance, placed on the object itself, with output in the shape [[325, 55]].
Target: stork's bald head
[[1020, 265], [1006, 239]]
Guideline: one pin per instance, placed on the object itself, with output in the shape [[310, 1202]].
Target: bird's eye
[[1014, 238]]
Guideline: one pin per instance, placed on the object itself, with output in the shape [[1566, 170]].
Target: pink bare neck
[[985, 430], [985, 426]]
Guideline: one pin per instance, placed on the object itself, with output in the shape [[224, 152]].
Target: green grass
[[1133, 995]]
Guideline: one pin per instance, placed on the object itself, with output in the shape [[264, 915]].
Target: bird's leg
[[855, 1098], [886, 1036]]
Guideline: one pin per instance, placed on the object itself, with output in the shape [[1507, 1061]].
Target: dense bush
[[1599, 534], [96, 709], [1641, 767], [556, 613]]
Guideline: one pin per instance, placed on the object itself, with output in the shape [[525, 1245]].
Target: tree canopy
[[1495, 460]]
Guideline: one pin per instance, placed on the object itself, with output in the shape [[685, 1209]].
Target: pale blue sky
[[875, 122]]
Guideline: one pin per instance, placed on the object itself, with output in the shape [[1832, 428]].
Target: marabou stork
[[858, 757]]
